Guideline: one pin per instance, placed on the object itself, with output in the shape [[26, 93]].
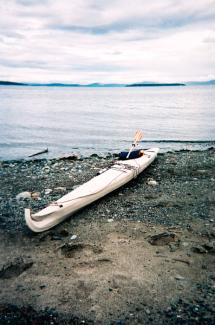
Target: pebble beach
[[142, 255]]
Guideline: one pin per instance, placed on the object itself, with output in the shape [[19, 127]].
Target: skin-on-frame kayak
[[120, 173]]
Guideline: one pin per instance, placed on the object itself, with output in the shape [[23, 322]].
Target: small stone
[[55, 237], [94, 155], [184, 244], [201, 171], [48, 191], [152, 182], [179, 277], [70, 156], [199, 249], [55, 165], [173, 247], [210, 247], [46, 169], [73, 237], [23, 196], [35, 195], [60, 189]]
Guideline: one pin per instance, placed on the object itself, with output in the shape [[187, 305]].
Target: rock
[[55, 237], [210, 234], [179, 277], [70, 156], [201, 171], [48, 191], [152, 182], [46, 169], [94, 155], [73, 237], [199, 249], [184, 244], [60, 189], [69, 250], [210, 247], [55, 165], [35, 195], [162, 239], [23, 196], [148, 311], [173, 247], [110, 220]]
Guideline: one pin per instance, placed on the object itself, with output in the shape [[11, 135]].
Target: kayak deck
[[117, 175]]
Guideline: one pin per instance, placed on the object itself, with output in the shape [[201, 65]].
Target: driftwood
[[162, 239], [39, 153], [182, 260]]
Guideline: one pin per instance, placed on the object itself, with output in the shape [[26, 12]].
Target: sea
[[85, 121]]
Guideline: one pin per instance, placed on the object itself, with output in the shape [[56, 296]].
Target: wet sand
[[105, 265]]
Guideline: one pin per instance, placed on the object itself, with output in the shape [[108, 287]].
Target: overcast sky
[[107, 40]]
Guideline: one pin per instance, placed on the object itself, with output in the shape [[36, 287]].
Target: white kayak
[[121, 172]]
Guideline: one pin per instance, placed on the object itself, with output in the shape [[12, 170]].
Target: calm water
[[101, 120]]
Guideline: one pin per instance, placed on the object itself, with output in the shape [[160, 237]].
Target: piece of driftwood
[[39, 153], [162, 239], [181, 260]]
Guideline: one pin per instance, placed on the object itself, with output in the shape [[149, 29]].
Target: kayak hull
[[120, 173]]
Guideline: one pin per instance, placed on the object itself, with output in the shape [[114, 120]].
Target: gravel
[[175, 195]]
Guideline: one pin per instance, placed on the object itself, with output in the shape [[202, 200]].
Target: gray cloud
[[31, 2], [209, 40], [162, 23], [96, 67], [108, 40], [23, 64]]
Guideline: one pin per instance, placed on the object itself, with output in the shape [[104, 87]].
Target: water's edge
[[97, 155]]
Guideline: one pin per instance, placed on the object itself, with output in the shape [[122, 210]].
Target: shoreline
[[111, 272], [164, 145]]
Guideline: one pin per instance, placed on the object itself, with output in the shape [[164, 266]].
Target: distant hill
[[154, 84], [102, 85], [52, 85], [57, 84], [95, 84], [201, 83], [9, 83]]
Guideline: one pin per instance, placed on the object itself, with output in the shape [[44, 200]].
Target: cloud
[[30, 2], [209, 40], [115, 40]]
